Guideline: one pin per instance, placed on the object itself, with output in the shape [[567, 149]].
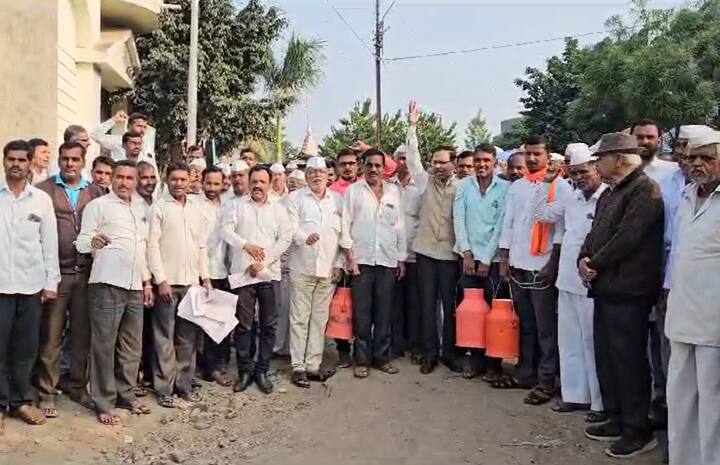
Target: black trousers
[[493, 288], [264, 295], [621, 338], [215, 356], [437, 280], [406, 313], [372, 299], [19, 338], [537, 308]]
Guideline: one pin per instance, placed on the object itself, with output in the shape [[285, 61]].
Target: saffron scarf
[[540, 235]]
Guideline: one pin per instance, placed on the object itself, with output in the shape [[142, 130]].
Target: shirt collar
[[596, 195], [493, 181], [26, 190], [59, 181]]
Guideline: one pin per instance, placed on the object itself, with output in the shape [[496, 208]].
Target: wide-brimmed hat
[[617, 142]]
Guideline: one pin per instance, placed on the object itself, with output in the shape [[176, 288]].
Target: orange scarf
[[540, 235]]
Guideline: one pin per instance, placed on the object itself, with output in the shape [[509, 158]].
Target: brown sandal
[[135, 407], [29, 414], [221, 377], [388, 368], [48, 408]]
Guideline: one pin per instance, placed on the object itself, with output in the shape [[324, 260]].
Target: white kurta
[[574, 212], [692, 324]]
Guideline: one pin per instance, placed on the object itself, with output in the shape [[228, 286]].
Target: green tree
[[234, 53], [477, 132], [360, 125], [300, 70], [548, 95]]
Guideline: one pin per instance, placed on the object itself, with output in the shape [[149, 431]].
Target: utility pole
[[378, 61], [191, 135]]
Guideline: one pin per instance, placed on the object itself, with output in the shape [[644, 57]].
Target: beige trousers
[[309, 309]]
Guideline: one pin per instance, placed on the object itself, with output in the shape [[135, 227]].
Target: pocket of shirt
[[28, 229], [389, 214]]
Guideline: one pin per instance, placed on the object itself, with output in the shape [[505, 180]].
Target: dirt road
[[408, 418]]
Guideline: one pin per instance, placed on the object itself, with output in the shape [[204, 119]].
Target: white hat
[[225, 168], [579, 153], [401, 149], [556, 157], [693, 130], [297, 174], [198, 163], [705, 138], [292, 166], [239, 166], [316, 163], [277, 168]]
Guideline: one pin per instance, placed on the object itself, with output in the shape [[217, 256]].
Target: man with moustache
[[315, 214], [692, 316], [258, 233], [136, 123], [464, 165], [373, 214], [215, 357], [70, 194], [516, 167], [178, 259], [529, 254], [239, 181], [115, 231], [29, 277], [101, 172]]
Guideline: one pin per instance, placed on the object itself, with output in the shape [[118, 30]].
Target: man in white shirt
[[315, 213], [178, 259], [239, 180], [693, 322], [258, 232], [132, 143], [40, 160], [406, 318], [574, 209], [531, 249], [136, 123], [648, 134], [279, 181], [375, 247], [215, 357], [29, 276], [249, 156], [115, 231]]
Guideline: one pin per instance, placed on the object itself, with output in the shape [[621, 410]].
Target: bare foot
[[108, 419]]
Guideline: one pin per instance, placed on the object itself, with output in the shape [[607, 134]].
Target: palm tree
[[299, 71]]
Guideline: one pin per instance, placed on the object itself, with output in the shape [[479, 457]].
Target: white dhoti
[[693, 398], [310, 299], [282, 303], [578, 376]]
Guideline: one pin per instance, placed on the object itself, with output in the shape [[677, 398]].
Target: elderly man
[[621, 262], [478, 212], [315, 213], [258, 232], [406, 320], [70, 194], [516, 167], [178, 259], [29, 277], [278, 181], [115, 230], [574, 209], [433, 244], [532, 250], [76, 133], [239, 181], [373, 215], [136, 123], [692, 322]]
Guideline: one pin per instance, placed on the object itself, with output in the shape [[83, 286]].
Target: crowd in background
[[608, 253]]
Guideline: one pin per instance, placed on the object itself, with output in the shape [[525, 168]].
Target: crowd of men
[[608, 254]]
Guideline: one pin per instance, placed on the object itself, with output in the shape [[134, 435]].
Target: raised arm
[[414, 164], [100, 135]]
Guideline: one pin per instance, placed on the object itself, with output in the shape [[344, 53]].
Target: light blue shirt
[[478, 218], [73, 193]]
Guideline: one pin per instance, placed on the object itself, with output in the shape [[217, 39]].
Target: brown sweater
[[69, 222], [625, 244], [435, 236]]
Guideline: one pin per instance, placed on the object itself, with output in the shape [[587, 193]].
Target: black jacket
[[625, 244]]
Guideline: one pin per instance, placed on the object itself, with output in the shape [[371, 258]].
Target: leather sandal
[[388, 368], [300, 379], [361, 372], [321, 375]]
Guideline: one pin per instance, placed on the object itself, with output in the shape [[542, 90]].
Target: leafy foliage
[[360, 125], [234, 54], [477, 132]]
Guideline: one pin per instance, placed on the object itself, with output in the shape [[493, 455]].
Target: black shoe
[[264, 383], [427, 366], [453, 366], [243, 382], [344, 360], [610, 431], [628, 447]]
